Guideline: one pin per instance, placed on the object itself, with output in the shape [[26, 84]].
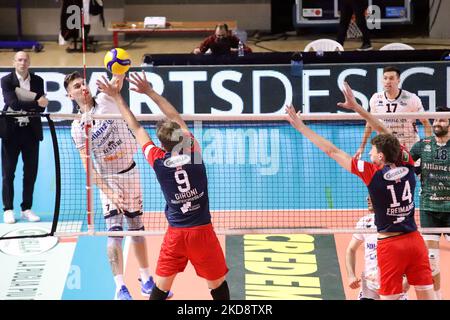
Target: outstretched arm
[[342, 158], [143, 86], [113, 90], [366, 135]]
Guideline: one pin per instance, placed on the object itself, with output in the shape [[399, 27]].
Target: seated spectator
[[221, 42]]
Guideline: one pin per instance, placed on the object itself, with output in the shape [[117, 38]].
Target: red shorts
[[197, 244], [405, 254]]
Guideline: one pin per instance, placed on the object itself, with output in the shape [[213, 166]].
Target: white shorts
[[367, 292], [128, 184]]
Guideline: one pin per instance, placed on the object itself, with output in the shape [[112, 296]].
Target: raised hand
[[294, 118], [141, 84], [110, 88], [358, 153], [350, 101]]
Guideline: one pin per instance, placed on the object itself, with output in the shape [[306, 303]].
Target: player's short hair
[[221, 26], [392, 69], [169, 133], [443, 109], [71, 77], [387, 144]]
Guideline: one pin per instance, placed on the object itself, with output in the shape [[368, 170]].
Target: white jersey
[[370, 274], [113, 144], [404, 129]]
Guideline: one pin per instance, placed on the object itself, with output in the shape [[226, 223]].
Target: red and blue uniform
[[190, 235], [392, 194], [184, 183], [391, 191]]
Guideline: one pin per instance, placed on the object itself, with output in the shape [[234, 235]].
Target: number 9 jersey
[[183, 181], [391, 191]]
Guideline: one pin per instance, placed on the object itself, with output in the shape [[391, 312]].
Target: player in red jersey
[[181, 173], [390, 180]]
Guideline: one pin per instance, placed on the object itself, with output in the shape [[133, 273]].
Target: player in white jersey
[[392, 100], [369, 281], [116, 176]]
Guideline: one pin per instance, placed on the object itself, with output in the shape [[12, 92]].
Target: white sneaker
[[30, 216], [8, 217]]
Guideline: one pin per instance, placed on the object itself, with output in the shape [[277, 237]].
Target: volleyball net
[[263, 176]]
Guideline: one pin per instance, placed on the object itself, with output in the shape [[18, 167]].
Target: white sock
[[119, 281], [438, 294], [145, 274]]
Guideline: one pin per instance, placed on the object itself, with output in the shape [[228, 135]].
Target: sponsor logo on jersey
[[114, 157], [396, 173], [427, 148], [177, 161], [102, 129]]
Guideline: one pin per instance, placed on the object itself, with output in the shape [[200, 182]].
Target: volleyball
[[117, 61]]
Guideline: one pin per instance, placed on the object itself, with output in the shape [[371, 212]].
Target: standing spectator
[[348, 8], [221, 42], [390, 180], [434, 153], [22, 91]]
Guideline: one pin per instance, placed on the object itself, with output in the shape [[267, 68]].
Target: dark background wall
[[282, 20], [41, 18]]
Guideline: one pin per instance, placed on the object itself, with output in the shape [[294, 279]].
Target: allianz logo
[[396, 173], [177, 161]]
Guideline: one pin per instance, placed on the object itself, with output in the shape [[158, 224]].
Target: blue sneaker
[[146, 288], [123, 294]]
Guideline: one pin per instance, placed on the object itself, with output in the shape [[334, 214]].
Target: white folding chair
[[324, 45], [396, 46]]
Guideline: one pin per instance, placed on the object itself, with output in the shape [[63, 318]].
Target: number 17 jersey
[[404, 129]]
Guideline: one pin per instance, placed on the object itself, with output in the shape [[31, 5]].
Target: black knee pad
[[221, 292], [158, 294]]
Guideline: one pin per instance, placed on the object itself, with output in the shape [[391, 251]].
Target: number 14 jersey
[[391, 191], [183, 181]]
